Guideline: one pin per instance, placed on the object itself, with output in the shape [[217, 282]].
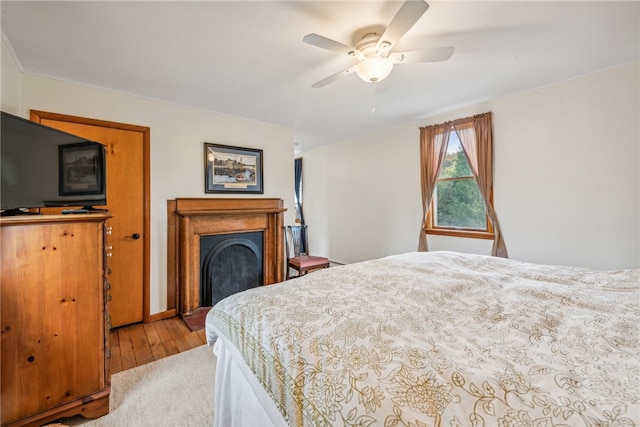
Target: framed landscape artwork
[[230, 169], [79, 169]]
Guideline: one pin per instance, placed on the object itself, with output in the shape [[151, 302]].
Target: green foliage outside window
[[459, 203]]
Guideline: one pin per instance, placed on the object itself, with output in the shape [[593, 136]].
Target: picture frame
[[229, 169], [79, 169]]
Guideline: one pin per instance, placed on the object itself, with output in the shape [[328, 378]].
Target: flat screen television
[[44, 167]]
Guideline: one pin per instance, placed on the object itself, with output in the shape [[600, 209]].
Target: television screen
[[41, 166]]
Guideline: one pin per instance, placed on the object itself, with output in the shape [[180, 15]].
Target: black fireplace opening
[[229, 263]]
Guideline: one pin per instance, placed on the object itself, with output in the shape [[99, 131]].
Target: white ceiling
[[247, 58]]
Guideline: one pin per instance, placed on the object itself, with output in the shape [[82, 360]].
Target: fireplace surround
[[189, 219]]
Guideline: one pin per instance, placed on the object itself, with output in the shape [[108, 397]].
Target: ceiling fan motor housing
[[368, 46]]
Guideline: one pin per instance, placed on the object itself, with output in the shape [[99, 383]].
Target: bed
[[431, 339]]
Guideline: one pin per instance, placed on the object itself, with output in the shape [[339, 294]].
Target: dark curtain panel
[[297, 164]]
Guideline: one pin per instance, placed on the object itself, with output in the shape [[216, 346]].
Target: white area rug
[[174, 391]]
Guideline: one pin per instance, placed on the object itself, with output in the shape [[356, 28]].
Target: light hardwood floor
[[141, 343]]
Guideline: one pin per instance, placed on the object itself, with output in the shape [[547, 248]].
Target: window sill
[[471, 234]]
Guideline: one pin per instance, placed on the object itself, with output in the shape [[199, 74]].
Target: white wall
[[177, 148], [567, 180], [10, 80]]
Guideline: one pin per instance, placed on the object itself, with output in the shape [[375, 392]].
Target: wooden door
[[127, 149]]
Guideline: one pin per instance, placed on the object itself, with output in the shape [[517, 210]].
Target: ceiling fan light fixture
[[373, 70]]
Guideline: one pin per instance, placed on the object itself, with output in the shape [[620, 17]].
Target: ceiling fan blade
[[407, 16], [334, 77], [436, 54], [325, 43]]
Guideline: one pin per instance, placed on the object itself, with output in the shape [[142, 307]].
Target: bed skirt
[[235, 383]]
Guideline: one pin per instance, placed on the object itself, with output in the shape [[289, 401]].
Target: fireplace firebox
[[230, 263]]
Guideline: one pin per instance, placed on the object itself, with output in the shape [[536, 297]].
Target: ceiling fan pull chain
[[373, 97]]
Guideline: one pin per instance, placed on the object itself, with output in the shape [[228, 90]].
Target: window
[[456, 173], [457, 206], [297, 169]]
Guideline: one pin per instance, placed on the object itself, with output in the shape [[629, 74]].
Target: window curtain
[[476, 138], [297, 165], [433, 147]]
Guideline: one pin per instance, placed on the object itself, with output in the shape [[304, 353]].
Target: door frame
[[38, 116]]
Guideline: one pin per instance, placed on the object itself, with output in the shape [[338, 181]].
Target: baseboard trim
[[162, 315]]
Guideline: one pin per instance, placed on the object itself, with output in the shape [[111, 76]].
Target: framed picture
[[232, 169], [80, 168]]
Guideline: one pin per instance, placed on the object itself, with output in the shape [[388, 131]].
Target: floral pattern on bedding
[[444, 339]]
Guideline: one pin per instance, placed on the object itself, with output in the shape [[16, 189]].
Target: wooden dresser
[[54, 318]]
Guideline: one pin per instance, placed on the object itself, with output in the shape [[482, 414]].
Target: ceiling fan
[[373, 52]]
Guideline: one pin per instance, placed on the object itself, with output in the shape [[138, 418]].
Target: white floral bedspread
[[444, 339]]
